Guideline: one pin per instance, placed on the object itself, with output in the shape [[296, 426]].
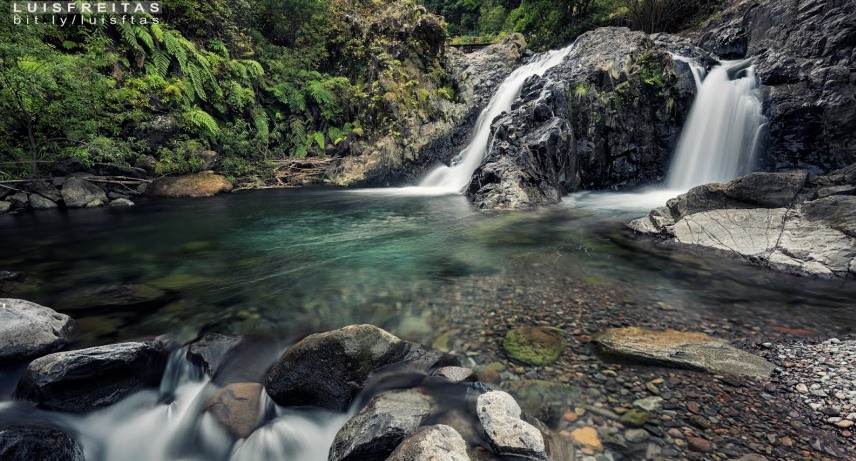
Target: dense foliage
[[257, 81], [552, 23]]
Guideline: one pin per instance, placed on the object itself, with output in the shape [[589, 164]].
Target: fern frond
[[157, 32], [318, 137], [200, 119], [145, 37], [196, 79], [254, 69], [161, 62], [260, 120]]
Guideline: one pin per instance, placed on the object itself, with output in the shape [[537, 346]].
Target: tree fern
[[161, 62], [201, 120], [196, 78], [254, 69], [318, 137], [319, 93], [157, 32], [260, 120], [298, 130], [144, 36]]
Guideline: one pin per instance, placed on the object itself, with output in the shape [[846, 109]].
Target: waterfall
[[455, 177], [722, 131]]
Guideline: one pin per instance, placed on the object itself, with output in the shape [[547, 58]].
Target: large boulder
[[211, 350], [531, 158], [804, 54], [437, 443], [508, 434], [77, 192], [193, 185], [329, 369], [378, 428], [680, 349], [33, 443], [791, 222], [87, 379], [28, 330]]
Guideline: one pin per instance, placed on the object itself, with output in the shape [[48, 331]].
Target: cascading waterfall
[[454, 178], [723, 129]]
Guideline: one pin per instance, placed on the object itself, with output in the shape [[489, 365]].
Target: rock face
[[28, 330], [237, 407], [30, 443], [329, 369], [628, 101], [508, 434], [425, 142], [78, 192], [194, 185], [804, 54], [534, 345], [794, 222], [532, 160], [437, 443], [87, 379], [680, 349], [375, 432]]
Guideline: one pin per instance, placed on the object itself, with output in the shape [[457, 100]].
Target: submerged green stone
[[534, 345], [635, 418]]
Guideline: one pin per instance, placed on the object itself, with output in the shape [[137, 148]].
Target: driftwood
[[296, 172]]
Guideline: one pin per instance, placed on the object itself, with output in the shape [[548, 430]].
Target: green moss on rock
[[534, 345], [635, 418]]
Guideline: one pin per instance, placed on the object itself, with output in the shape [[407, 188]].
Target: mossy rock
[[635, 418], [534, 345], [544, 400]]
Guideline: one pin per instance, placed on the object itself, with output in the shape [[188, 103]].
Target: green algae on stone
[[534, 345], [634, 418]]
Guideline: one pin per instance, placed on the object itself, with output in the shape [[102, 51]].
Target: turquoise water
[[291, 262]]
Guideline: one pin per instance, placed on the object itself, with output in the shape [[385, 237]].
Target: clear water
[[455, 177], [291, 262]]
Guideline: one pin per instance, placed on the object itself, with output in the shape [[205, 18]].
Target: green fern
[[196, 79], [201, 120], [254, 69], [260, 120], [318, 137]]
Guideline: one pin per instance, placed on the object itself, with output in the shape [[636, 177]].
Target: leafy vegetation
[[257, 81], [553, 23]]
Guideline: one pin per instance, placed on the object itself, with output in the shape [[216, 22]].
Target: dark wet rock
[[114, 169], [534, 345], [327, 370], [68, 166], [237, 407], [210, 351], [194, 185], [78, 192], [804, 54], [112, 295], [508, 434], [681, 349], [45, 189], [146, 163], [84, 380], [544, 400], [628, 101], [208, 159], [437, 443], [5, 206], [532, 157], [157, 131], [19, 284], [37, 202], [376, 431], [32, 443], [768, 219], [19, 201], [29, 330]]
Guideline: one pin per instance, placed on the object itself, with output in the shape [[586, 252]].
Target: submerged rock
[[327, 370], [237, 407], [509, 435], [194, 185], [78, 192], [544, 400], [86, 379], [436, 443], [31, 443], [29, 330], [378, 428], [680, 349], [110, 295], [534, 345]]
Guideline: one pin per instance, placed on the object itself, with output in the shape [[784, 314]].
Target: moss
[[534, 345], [635, 418]]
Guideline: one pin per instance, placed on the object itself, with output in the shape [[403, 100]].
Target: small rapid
[[455, 177]]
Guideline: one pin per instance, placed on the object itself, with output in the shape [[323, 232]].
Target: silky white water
[[171, 425], [455, 177], [721, 134]]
